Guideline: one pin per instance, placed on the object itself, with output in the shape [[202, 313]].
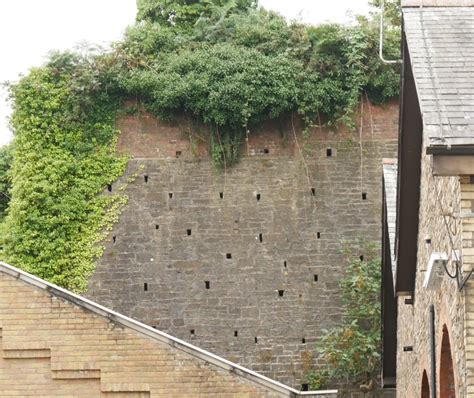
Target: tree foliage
[[6, 158], [352, 351], [392, 14], [233, 67], [183, 14]]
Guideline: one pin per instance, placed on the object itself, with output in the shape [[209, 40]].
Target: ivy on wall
[[226, 63], [64, 157]]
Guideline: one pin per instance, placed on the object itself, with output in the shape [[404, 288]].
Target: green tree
[[6, 159], [183, 14], [393, 12], [352, 350]]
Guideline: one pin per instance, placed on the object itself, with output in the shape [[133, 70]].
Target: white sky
[[30, 28]]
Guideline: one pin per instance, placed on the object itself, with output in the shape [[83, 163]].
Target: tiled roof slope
[[390, 185], [441, 45]]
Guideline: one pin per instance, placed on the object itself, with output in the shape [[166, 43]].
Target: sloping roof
[[159, 336], [390, 186], [441, 45]]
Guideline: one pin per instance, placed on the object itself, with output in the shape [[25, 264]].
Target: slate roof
[[390, 171], [441, 45]]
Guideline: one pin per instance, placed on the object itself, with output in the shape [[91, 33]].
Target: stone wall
[[440, 204], [244, 263], [56, 344]]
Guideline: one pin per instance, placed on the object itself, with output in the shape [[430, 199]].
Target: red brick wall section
[[144, 136], [446, 374], [425, 386]]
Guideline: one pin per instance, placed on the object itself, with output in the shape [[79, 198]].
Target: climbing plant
[[351, 351], [64, 157]]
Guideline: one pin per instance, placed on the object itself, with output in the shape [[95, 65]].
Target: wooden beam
[[453, 165]]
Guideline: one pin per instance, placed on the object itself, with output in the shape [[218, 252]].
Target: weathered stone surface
[[282, 218]]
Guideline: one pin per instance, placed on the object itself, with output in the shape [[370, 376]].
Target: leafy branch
[[352, 350]]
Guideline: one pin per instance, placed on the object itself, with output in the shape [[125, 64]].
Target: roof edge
[[154, 333], [437, 3], [453, 150]]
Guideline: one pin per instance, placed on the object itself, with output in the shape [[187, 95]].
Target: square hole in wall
[[361, 258], [305, 387], [258, 197], [236, 333], [170, 195], [364, 195], [221, 195], [145, 178], [188, 232], [266, 150], [260, 238], [157, 226], [313, 192], [315, 277], [281, 293], [228, 256], [256, 340], [114, 239], [145, 287], [178, 154], [207, 284], [318, 235], [109, 187], [329, 152], [192, 332], [303, 341], [285, 264]]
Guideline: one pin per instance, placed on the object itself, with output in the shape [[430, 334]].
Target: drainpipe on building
[[433, 352], [385, 61]]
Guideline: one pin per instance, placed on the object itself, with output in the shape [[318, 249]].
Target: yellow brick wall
[[439, 196], [53, 348], [467, 206]]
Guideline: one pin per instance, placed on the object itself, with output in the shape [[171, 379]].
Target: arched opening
[[425, 386], [446, 373]]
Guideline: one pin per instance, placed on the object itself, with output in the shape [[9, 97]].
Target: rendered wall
[[282, 219]]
